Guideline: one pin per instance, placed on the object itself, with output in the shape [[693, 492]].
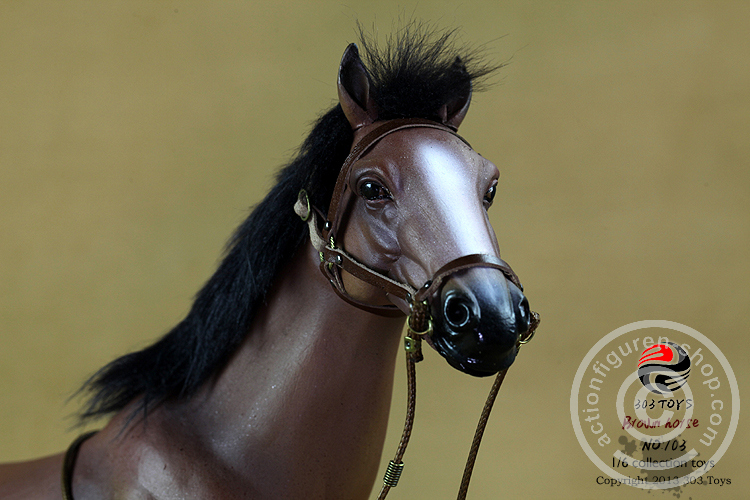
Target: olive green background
[[135, 135]]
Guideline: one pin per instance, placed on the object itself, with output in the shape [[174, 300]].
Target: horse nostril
[[457, 311], [524, 316], [524, 308]]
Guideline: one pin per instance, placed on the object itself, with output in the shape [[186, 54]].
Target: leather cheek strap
[[336, 260], [333, 260]]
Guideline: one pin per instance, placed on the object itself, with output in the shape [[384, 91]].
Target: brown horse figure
[[273, 386]]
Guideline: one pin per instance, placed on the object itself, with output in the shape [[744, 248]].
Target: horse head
[[408, 225]]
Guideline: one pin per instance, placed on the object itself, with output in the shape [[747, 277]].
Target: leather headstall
[[334, 259]]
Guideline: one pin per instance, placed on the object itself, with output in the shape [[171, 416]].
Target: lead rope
[[396, 466], [486, 413], [413, 347], [469, 468]]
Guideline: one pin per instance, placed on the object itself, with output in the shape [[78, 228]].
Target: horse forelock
[[420, 68]]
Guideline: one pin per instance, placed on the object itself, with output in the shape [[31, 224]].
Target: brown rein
[[413, 347]]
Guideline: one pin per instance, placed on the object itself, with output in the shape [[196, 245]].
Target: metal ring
[[537, 320], [528, 339], [427, 331]]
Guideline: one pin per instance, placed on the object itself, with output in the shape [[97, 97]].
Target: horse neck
[[303, 404]]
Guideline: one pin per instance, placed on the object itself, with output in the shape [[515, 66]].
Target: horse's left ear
[[454, 112], [354, 90]]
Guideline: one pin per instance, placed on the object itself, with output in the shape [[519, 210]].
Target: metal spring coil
[[393, 473]]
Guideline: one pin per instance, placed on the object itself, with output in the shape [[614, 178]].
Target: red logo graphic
[[664, 368]]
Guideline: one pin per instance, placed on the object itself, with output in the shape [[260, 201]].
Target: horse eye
[[490, 195], [373, 191]]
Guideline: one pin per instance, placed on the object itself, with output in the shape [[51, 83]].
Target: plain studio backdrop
[[134, 137]]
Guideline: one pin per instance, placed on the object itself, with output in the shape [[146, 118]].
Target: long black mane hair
[[414, 75]]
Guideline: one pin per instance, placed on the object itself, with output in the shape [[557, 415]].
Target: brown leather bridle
[[334, 259]]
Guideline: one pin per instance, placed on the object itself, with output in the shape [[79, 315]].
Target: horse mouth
[[480, 362]]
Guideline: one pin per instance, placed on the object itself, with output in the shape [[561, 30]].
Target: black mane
[[413, 76]]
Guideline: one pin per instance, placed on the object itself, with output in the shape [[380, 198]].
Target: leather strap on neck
[[69, 464]]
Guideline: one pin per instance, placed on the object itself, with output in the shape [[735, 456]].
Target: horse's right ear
[[354, 90], [454, 112]]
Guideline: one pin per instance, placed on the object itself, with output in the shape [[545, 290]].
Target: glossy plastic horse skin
[[273, 386]]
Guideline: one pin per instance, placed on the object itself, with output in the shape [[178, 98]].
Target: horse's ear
[[454, 112], [354, 90]]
